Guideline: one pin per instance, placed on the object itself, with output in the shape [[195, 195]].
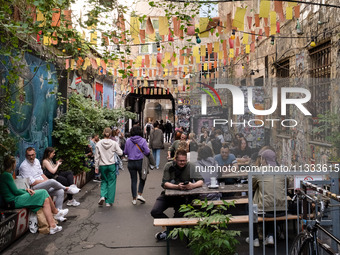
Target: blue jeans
[[157, 156]]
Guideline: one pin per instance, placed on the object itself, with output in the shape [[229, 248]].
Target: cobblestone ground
[[122, 229]]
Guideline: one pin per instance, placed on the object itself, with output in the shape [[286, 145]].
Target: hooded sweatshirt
[[132, 150], [105, 150]]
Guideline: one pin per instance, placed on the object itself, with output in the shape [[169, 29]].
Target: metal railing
[[313, 185]]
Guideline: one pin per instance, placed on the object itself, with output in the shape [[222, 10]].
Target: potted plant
[[211, 235]]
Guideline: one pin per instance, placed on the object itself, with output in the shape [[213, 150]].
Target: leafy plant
[[329, 125], [7, 144], [72, 130], [211, 235]]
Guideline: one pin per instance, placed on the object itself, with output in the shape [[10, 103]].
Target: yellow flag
[[231, 53], [220, 55], [195, 51], [203, 50], [139, 60], [292, 4], [134, 29], [153, 61], [239, 18], [176, 61], [41, 17], [135, 73], [205, 67], [247, 48], [167, 57], [186, 69], [72, 64], [289, 12], [245, 38], [186, 60], [47, 39], [273, 18], [273, 30], [198, 59], [216, 46], [264, 8], [203, 26], [86, 63], [98, 61], [163, 26], [93, 34]]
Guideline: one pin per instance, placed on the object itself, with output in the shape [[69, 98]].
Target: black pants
[[164, 202], [269, 225], [135, 167], [167, 136], [66, 179]]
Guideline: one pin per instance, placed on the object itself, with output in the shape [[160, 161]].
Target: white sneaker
[[72, 190], [101, 201], [62, 212], [269, 240], [141, 199], [60, 218], [55, 230], [256, 242], [108, 204], [134, 202], [73, 202]]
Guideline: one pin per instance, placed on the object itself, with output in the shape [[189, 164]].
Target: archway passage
[[137, 101]]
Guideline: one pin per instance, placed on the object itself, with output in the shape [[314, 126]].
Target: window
[[320, 85], [282, 75]]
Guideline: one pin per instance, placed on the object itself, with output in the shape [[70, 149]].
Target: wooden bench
[[179, 222], [237, 201]]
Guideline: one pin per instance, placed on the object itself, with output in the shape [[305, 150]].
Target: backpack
[[148, 128]]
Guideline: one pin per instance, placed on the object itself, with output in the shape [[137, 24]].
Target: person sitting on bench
[[177, 175]]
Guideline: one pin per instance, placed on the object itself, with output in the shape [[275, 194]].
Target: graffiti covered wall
[[108, 95], [35, 106]]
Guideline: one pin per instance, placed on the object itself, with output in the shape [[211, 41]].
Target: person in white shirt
[[31, 168], [105, 164]]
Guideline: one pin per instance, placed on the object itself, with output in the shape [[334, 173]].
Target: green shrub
[[72, 129], [211, 236]]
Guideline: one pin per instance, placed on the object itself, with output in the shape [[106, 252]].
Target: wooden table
[[205, 190]]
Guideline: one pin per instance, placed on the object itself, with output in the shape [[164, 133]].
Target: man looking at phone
[[176, 176]]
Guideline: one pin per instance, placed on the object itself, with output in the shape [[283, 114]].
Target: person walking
[[135, 148], [168, 131], [156, 143], [64, 177], [105, 164]]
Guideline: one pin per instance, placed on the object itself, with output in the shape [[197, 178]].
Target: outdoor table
[[205, 190], [237, 174]]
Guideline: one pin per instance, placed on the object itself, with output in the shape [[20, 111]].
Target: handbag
[[148, 162]]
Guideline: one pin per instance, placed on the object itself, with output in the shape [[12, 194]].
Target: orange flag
[[279, 10], [297, 11], [68, 21], [142, 35], [257, 20], [149, 27], [176, 23], [55, 17]]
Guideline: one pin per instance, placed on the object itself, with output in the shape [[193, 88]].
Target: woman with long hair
[[64, 177], [135, 148], [105, 163], [243, 152], [32, 199]]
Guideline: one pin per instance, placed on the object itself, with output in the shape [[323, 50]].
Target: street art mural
[[82, 87], [99, 93], [108, 95], [35, 106]]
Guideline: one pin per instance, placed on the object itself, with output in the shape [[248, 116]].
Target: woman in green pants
[[105, 163]]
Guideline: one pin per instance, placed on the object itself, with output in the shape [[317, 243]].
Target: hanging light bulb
[[252, 72], [232, 37], [242, 66], [272, 41], [313, 44], [158, 44], [198, 39]]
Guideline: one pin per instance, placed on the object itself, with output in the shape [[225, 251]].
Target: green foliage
[[73, 129], [7, 144], [329, 126], [211, 236]]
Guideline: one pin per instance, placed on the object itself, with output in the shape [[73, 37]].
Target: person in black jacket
[[168, 131]]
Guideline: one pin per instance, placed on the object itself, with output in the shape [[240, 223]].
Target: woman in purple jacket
[[135, 148]]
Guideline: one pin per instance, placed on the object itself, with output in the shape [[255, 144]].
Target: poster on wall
[[108, 95], [99, 93]]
